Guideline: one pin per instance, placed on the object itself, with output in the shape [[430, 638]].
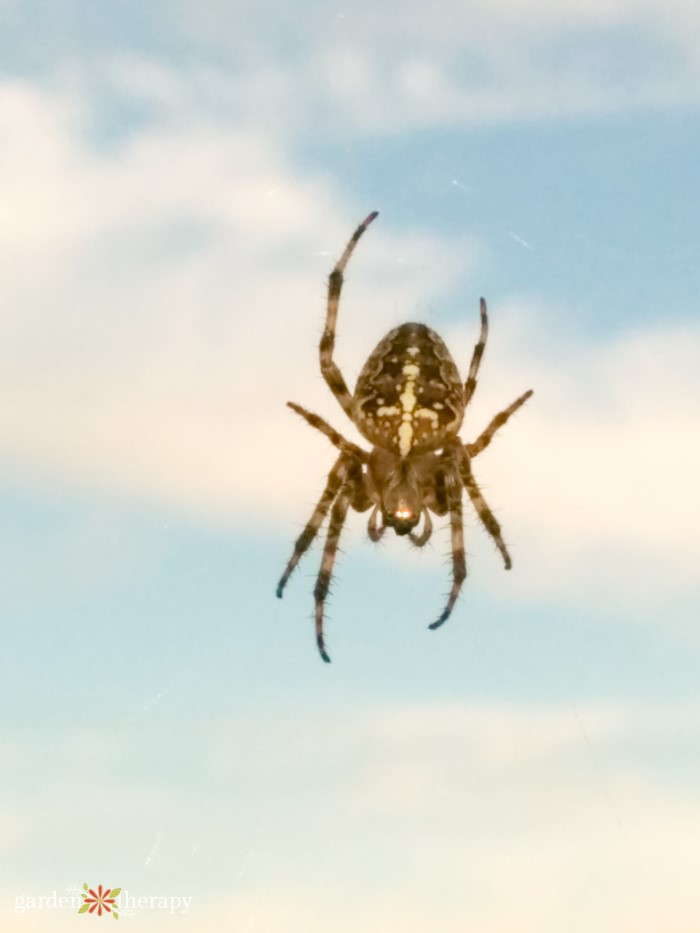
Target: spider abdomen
[[409, 395]]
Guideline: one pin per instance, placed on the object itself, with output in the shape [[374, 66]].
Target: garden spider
[[409, 403]]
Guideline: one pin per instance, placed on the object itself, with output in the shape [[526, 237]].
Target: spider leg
[[305, 539], [423, 538], [470, 384], [453, 485], [333, 436], [329, 370], [486, 436], [335, 526], [486, 516]]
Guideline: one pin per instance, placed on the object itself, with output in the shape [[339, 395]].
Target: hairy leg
[[333, 436], [329, 370], [470, 384], [453, 484], [305, 539], [335, 526], [486, 436], [486, 516]]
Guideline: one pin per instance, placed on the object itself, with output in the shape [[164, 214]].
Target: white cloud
[[496, 818], [389, 68], [163, 300], [375, 70], [133, 361], [603, 473]]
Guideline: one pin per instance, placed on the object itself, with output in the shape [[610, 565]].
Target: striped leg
[[329, 370], [453, 484], [486, 436], [333, 436], [470, 384], [335, 526], [486, 516], [305, 539]]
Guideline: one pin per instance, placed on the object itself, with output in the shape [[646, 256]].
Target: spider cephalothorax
[[409, 403]]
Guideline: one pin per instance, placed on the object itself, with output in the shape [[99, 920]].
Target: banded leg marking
[[486, 516], [333, 436], [459, 564], [335, 526], [470, 384], [306, 538], [497, 422], [329, 370]]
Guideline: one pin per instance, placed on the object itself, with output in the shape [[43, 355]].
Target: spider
[[409, 404]]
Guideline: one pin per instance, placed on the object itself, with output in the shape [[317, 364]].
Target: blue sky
[[176, 181]]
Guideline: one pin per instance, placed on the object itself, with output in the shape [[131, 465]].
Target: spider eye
[[402, 520]]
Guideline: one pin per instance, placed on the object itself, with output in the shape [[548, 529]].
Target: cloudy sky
[[176, 180]]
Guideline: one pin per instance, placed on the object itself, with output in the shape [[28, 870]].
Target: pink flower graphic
[[99, 900]]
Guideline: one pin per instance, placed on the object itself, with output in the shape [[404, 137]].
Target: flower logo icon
[[99, 900]]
